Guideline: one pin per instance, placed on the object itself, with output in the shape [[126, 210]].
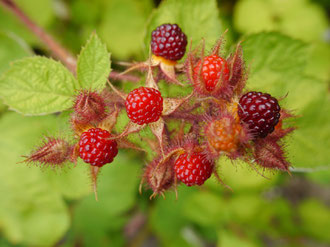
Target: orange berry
[[223, 135]]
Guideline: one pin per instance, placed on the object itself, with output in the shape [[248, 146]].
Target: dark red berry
[[214, 69], [168, 41], [260, 111], [144, 105], [193, 169], [95, 148]]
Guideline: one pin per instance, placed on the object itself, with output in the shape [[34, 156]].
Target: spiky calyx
[[168, 41], [159, 176], [193, 168], [269, 153], [89, 107], [96, 148], [54, 152], [210, 72]]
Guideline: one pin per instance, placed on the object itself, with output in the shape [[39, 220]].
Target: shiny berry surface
[[193, 169], [95, 148], [213, 70], [168, 41], [144, 105], [260, 111]]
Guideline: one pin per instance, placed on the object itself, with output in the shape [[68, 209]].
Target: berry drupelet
[[212, 71], [95, 148], [193, 169], [260, 111], [144, 105], [168, 41]]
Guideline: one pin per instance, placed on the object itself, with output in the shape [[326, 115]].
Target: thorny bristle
[[216, 50], [53, 152], [223, 88], [270, 154], [78, 125], [238, 73], [89, 107], [159, 176], [199, 111], [111, 99]]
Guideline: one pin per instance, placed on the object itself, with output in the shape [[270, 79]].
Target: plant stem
[[115, 75], [58, 51]]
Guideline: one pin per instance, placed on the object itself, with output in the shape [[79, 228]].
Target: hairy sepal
[[223, 89], [268, 153], [89, 106], [53, 152], [159, 174], [238, 73]]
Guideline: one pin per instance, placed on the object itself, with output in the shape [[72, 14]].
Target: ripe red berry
[[193, 169], [144, 105], [168, 41], [214, 69], [260, 111], [95, 148]]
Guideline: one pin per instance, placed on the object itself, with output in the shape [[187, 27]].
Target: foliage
[[288, 56]]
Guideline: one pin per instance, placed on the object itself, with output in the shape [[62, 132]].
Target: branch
[[309, 170], [58, 51], [114, 75]]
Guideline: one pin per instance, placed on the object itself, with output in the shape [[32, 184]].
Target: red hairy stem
[[58, 51], [183, 116], [114, 75]]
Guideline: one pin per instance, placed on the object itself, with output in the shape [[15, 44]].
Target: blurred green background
[[286, 45]]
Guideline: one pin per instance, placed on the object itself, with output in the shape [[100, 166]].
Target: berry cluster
[[218, 118]]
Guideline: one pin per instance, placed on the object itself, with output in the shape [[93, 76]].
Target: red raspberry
[[168, 41], [193, 169], [144, 105], [95, 148], [260, 111], [214, 68]]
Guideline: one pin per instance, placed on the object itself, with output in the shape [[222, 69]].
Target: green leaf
[[41, 11], [253, 204], [77, 179], [11, 48], [309, 145], [205, 208], [315, 219], [277, 67], [197, 19], [37, 85], [32, 211], [123, 35], [117, 190], [93, 66], [319, 62], [230, 239], [297, 18], [167, 218], [242, 178]]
